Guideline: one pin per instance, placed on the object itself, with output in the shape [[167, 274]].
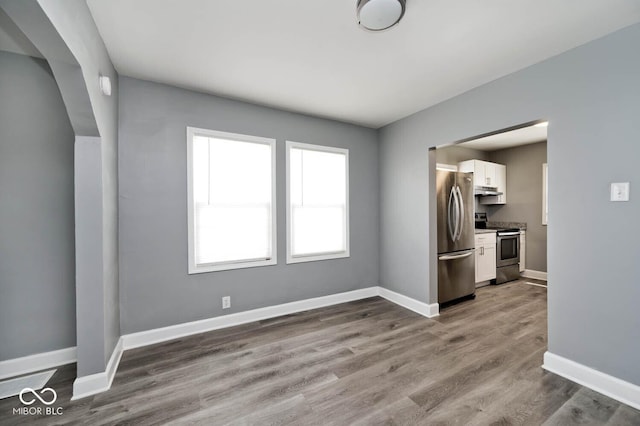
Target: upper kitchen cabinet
[[487, 174], [500, 183]]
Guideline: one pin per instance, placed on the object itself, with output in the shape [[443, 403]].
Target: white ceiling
[[523, 136], [310, 56]]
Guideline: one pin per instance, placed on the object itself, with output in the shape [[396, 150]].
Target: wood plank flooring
[[367, 362]]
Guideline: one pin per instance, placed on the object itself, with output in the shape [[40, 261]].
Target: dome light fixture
[[378, 15]]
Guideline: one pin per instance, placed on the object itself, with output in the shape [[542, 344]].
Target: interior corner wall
[[590, 96], [524, 198], [89, 257], [155, 289], [37, 250], [73, 22]]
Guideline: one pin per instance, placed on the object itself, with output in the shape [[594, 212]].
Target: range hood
[[486, 191]]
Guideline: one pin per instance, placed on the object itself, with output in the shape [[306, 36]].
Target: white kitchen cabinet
[[501, 184], [490, 174], [485, 257], [523, 250], [477, 167]]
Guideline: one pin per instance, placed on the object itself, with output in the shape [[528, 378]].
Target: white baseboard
[[157, 335], [99, 382], [32, 363], [536, 275], [611, 386], [424, 309]]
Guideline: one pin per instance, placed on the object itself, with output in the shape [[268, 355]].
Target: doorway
[[511, 166]]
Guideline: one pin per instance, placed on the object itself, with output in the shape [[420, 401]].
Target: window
[[545, 195], [317, 202], [231, 206]]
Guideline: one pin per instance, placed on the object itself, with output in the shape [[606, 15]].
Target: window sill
[[195, 269], [317, 257]]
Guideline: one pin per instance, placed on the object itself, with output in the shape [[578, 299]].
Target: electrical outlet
[[226, 302]]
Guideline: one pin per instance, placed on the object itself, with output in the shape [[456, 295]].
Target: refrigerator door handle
[[461, 211], [455, 256], [456, 206], [452, 232]]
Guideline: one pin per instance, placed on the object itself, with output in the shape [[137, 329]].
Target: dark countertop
[[521, 225]]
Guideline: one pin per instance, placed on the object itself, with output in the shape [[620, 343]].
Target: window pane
[[232, 193], [321, 177], [318, 202], [240, 171], [227, 233], [317, 230]]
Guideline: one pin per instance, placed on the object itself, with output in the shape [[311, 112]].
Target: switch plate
[[620, 191], [226, 302]]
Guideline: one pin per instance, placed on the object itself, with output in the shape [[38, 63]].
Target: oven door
[[508, 249]]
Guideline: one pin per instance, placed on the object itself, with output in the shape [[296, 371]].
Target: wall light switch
[[620, 191]]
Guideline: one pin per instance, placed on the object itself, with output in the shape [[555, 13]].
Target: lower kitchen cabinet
[[485, 257]]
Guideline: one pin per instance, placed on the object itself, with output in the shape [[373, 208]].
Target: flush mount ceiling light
[[378, 15]]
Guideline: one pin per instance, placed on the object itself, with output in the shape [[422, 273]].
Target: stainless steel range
[[507, 250], [507, 255]]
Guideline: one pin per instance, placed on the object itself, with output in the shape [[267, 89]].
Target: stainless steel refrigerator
[[456, 235]]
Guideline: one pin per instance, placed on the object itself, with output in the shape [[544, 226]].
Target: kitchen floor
[[364, 362]]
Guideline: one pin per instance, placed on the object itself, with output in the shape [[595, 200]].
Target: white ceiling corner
[[311, 56]]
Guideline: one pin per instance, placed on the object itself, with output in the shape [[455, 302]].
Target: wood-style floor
[[368, 362]]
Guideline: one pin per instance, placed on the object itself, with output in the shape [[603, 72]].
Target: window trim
[[194, 268], [545, 194], [320, 256]]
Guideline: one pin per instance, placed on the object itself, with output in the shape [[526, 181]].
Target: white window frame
[[321, 256], [545, 194], [223, 266]]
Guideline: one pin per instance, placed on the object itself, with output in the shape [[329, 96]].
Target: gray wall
[[155, 288], [37, 280], [14, 40], [453, 154], [524, 198], [590, 95]]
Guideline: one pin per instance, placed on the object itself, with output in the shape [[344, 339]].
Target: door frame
[[433, 220]]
